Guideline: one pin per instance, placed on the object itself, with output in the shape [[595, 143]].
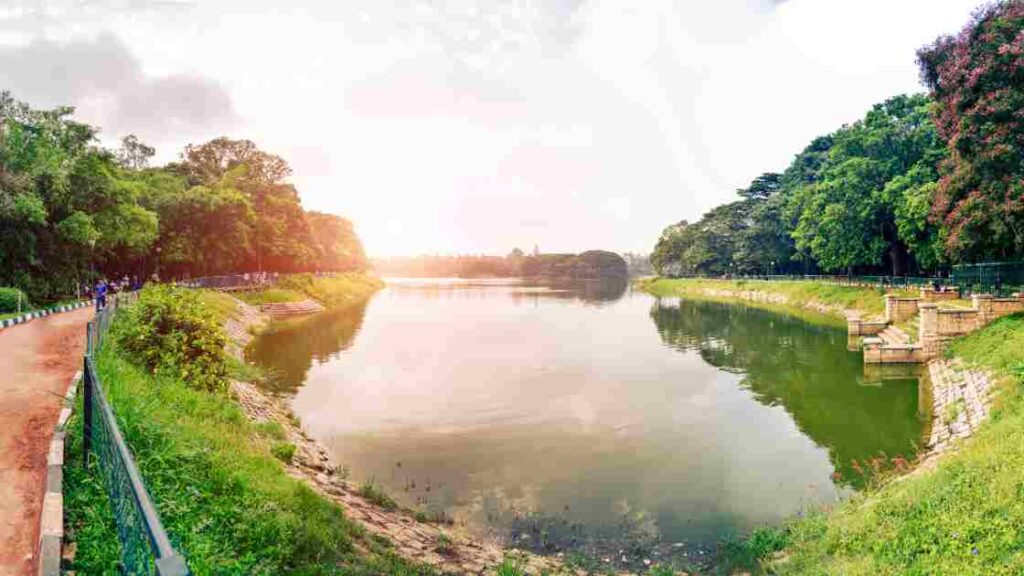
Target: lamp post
[[157, 264]]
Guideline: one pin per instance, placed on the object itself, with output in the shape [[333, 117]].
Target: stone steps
[[282, 309], [894, 335]]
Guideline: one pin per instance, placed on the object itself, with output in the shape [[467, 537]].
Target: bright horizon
[[451, 128]]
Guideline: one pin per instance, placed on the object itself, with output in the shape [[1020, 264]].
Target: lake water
[[590, 417]]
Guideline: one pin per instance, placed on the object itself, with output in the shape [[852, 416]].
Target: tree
[[133, 154], [846, 213], [340, 248], [976, 79]]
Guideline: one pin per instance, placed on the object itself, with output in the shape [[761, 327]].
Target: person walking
[[101, 295]]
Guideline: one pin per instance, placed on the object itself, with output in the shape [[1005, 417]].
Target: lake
[[590, 417]]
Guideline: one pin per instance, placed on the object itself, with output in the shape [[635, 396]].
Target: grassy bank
[[333, 292], [799, 295], [216, 478], [962, 517]]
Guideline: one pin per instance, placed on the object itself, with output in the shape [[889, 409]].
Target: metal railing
[[145, 546], [994, 277], [842, 280], [231, 281]]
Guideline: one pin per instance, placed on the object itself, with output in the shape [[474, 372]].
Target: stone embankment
[[445, 547], [776, 299], [286, 309], [960, 396], [960, 403]]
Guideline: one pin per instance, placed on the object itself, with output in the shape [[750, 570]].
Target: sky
[[457, 126]]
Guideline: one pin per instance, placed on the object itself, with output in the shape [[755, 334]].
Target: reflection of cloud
[[104, 80]]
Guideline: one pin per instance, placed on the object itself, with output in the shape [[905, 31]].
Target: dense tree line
[[919, 183], [592, 264], [72, 211]]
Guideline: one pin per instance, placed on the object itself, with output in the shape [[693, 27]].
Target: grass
[[962, 517], [336, 291], [271, 296], [377, 496], [223, 306], [223, 495], [803, 299], [798, 294]]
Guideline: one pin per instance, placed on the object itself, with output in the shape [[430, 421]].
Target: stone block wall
[[876, 351], [857, 327], [958, 322], [898, 308]]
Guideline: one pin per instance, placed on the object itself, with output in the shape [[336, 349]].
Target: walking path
[[37, 362]]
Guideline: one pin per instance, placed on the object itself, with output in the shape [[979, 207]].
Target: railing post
[[87, 410], [171, 566]]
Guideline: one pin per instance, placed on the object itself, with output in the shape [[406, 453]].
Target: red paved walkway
[[37, 362]]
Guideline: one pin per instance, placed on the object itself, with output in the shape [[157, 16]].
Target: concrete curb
[[51, 521], [42, 313]]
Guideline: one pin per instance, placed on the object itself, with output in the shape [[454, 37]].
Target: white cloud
[[461, 126]]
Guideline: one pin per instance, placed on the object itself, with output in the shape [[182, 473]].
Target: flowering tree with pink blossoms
[[977, 80]]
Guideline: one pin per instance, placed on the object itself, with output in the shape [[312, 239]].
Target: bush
[[9, 300], [170, 331], [283, 451]]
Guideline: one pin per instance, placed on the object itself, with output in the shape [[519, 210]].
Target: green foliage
[[751, 552], [376, 495], [72, 211], [271, 430], [10, 299], [271, 296], [170, 331], [510, 567], [333, 292], [962, 517], [797, 293], [976, 79], [227, 503], [283, 451], [858, 198], [444, 543]]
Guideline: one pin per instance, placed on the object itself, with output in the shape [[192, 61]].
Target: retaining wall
[[855, 326], [898, 309]]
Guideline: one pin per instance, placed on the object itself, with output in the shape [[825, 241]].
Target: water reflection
[[289, 348], [807, 370], [561, 417]]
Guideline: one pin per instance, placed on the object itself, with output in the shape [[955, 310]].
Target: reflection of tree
[[289, 348], [590, 291], [807, 370]]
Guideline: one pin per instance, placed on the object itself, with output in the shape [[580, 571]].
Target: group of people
[[106, 287]]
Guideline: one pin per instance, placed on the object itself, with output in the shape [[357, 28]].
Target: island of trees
[[919, 183], [589, 265], [72, 211]]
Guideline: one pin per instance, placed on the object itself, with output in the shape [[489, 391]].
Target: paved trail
[[37, 362]]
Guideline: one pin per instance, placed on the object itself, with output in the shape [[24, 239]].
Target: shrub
[[9, 300], [283, 451], [170, 331], [377, 496]]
